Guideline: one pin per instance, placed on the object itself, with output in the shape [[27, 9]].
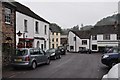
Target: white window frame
[[8, 15]]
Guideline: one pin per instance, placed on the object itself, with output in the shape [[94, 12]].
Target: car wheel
[[112, 64], [55, 57], [59, 56], [48, 61], [34, 65]]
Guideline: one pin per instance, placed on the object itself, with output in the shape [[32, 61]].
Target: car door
[[43, 56], [37, 56]]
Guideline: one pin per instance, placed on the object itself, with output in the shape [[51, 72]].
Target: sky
[[70, 13]]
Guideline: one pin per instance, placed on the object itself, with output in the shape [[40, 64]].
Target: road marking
[[98, 70]]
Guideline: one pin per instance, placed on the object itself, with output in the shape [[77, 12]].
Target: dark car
[[112, 57], [54, 53], [62, 50], [29, 57], [107, 49], [84, 50]]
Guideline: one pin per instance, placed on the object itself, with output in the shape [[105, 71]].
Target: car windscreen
[[50, 50], [114, 50], [21, 52]]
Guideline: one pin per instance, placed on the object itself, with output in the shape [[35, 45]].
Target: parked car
[[113, 73], [106, 49], [54, 53], [84, 50], [62, 49], [112, 57], [29, 57]]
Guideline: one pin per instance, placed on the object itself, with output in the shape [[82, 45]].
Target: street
[[72, 65]]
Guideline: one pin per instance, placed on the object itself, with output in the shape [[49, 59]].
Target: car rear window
[[51, 50], [21, 52]]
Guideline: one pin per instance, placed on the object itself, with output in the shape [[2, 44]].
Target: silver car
[[29, 57]]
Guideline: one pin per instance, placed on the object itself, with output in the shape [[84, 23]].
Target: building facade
[[103, 36], [78, 40], [55, 35], [54, 39], [31, 29], [8, 17]]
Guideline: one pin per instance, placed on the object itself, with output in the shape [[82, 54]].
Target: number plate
[[17, 59]]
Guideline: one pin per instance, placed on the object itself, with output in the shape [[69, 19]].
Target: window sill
[[7, 23]]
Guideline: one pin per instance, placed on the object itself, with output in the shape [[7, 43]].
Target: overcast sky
[[70, 13]]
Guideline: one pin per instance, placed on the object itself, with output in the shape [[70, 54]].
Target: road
[[71, 65]]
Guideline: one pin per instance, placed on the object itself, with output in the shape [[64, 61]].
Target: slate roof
[[105, 29], [82, 34], [55, 28], [8, 2], [25, 10]]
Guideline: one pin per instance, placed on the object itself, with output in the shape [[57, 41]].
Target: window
[[94, 37], [57, 40], [25, 25], [53, 40], [52, 45], [94, 47], [56, 45], [106, 37], [118, 37], [84, 42], [52, 33], [74, 38], [36, 27], [41, 51], [45, 29], [71, 47], [44, 44], [7, 15]]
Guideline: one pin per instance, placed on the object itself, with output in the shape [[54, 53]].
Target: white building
[[77, 40], [103, 36], [34, 29]]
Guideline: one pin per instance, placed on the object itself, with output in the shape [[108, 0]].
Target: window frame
[[45, 30], [106, 36], [84, 42], [36, 27], [25, 25], [8, 13], [94, 37]]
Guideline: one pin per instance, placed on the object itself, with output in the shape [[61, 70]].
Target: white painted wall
[[20, 25], [31, 29], [71, 42], [100, 42]]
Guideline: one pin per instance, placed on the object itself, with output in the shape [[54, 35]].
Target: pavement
[[71, 65]]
